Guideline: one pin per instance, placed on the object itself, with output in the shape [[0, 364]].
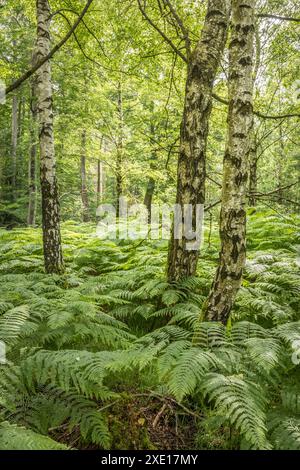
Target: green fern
[[13, 437]]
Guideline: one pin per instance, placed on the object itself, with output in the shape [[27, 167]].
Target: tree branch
[[258, 113], [181, 26], [163, 35], [269, 193], [277, 17], [30, 72]]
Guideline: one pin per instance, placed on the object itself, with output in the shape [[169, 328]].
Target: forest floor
[[94, 354]]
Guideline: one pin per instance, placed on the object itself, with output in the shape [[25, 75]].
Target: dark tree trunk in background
[[240, 123], [21, 161], [281, 158], [50, 201], [120, 149], [151, 181], [253, 160], [148, 196], [84, 192], [14, 143], [191, 173], [32, 159]]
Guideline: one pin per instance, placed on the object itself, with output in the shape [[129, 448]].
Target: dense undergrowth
[[111, 356]]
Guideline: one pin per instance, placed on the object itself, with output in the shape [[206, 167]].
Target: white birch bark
[[50, 201], [191, 173], [235, 171]]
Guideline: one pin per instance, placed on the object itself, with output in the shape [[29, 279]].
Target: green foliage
[[14, 437], [111, 324]]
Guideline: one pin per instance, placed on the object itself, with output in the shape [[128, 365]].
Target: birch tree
[[202, 68], [49, 190], [228, 276]]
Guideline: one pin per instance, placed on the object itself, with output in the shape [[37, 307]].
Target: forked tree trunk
[[240, 123], [32, 160], [191, 173], [84, 193], [50, 202]]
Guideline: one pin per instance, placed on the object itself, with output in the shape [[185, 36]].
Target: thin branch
[[30, 72], [163, 35], [214, 181], [276, 116], [181, 26], [258, 194], [58, 12], [277, 17], [79, 44], [258, 113], [207, 208], [264, 149]]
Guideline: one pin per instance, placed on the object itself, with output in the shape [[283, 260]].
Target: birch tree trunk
[[240, 123], [191, 172], [84, 193], [49, 190]]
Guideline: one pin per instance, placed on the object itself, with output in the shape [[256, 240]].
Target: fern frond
[[243, 403], [13, 437]]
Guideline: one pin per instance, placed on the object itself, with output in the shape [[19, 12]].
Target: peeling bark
[[191, 172], [50, 202], [228, 276]]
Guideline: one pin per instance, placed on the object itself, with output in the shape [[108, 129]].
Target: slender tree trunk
[[281, 158], [100, 172], [84, 193], [148, 196], [191, 173], [50, 201], [240, 123], [21, 161], [120, 149], [151, 181], [32, 160], [100, 180], [253, 171], [14, 142]]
